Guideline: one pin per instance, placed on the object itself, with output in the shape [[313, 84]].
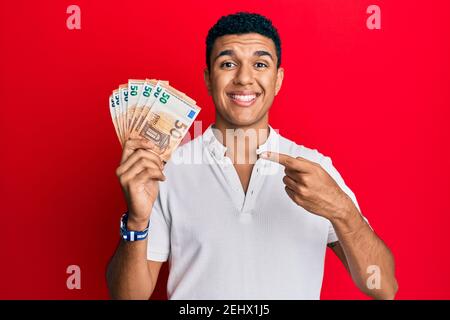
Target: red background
[[376, 101]]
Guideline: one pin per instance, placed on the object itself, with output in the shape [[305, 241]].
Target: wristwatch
[[129, 235]]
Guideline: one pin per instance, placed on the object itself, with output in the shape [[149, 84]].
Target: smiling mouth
[[243, 99]]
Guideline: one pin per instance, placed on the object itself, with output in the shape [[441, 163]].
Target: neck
[[242, 140]]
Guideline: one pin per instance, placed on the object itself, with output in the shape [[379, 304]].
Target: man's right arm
[[129, 274]]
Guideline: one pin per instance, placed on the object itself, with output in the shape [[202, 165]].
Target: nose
[[244, 76]]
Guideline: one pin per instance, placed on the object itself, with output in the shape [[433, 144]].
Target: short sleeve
[[327, 165], [332, 237], [158, 244]]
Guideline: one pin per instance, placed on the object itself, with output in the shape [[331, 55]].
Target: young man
[[235, 225]]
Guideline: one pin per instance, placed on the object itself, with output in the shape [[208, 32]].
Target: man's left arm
[[366, 257], [362, 252]]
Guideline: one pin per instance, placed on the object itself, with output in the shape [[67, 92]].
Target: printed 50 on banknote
[[153, 110]]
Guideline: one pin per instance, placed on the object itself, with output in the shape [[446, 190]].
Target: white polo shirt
[[224, 244]]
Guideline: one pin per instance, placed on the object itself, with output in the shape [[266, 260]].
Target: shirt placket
[[256, 181], [245, 203], [234, 183]]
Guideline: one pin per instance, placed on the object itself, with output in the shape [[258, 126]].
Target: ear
[[280, 76], [207, 80]]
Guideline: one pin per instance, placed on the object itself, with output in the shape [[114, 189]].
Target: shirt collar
[[218, 150]]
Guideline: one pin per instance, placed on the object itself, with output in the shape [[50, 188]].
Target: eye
[[227, 65], [260, 65]]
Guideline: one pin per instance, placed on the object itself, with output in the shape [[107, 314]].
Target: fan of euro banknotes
[[153, 110]]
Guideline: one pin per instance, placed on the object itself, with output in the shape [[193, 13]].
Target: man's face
[[244, 78]]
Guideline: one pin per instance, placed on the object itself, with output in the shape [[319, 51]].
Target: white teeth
[[244, 98]]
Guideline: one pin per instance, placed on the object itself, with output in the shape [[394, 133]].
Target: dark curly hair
[[241, 23]]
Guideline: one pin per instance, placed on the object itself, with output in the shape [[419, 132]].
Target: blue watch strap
[[130, 235]]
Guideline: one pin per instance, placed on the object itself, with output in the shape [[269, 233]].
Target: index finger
[[133, 144], [286, 160]]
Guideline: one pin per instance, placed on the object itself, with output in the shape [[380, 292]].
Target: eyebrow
[[261, 53], [231, 53]]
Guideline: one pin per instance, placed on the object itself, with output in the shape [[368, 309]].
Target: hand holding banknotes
[[150, 119], [139, 172]]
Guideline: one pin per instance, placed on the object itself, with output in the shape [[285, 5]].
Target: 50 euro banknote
[[154, 111], [168, 120]]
